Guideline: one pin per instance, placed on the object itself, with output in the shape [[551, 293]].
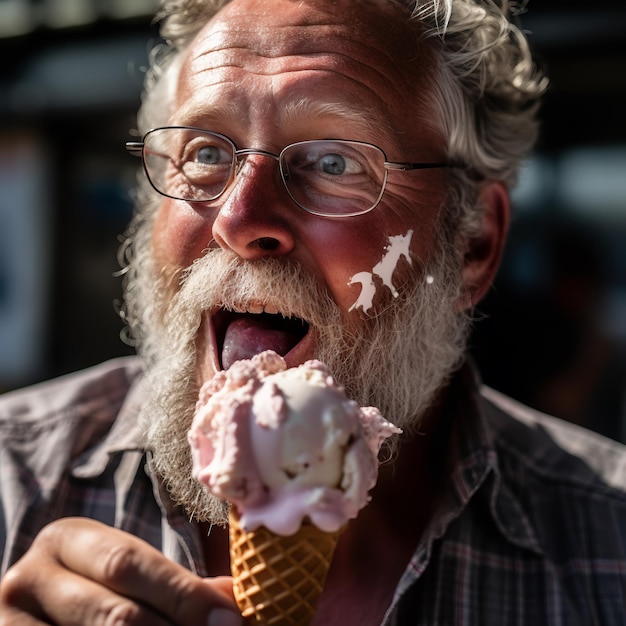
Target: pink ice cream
[[286, 444]]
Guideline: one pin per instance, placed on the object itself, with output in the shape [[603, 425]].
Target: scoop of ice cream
[[286, 444]]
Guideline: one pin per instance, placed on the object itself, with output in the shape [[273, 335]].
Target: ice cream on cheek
[[285, 445], [398, 247]]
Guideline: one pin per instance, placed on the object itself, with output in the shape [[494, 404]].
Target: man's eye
[[210, 155], [337, 165], [333, 164]]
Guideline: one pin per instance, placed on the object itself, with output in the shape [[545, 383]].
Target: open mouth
[[241, 335]]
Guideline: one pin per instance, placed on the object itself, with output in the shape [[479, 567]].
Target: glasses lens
[[334, 177], [188, 164]]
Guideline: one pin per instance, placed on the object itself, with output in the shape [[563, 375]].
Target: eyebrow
[[192, 114], [366, 123]]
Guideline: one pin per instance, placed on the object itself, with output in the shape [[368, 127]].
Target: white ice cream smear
[[397, 248]]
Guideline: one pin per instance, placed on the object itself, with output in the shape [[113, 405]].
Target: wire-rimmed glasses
[[326, 177]]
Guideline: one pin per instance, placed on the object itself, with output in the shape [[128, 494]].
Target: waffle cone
[[277, 580]]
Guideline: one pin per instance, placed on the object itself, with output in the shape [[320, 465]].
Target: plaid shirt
[[531, 529]]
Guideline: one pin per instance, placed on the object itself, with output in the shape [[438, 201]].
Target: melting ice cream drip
[[397, 248]]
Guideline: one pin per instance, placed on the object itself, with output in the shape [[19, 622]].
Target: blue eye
[[333, 164], [209, 155]]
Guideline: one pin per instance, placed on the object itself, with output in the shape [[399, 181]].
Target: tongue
[[250, 335]]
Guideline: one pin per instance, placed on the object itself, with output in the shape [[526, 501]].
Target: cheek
[[366, 261], [347, 255], [180, 235]]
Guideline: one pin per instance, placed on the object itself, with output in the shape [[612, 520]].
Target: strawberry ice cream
[[285, 445]]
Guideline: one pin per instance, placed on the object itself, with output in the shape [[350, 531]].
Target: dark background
[[552, 331]]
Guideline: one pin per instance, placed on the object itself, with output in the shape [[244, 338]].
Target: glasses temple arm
[[406, 166], [134, 147]]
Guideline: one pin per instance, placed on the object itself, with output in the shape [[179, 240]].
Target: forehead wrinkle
[[257, 64], [225, 43]]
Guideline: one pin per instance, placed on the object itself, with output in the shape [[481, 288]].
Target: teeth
[[254, 308]]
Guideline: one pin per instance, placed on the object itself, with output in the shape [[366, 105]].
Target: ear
[[484, 251]]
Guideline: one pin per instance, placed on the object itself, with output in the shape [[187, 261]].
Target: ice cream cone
[[284, 445], [277, 580]]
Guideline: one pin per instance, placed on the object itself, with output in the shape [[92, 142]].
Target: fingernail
[[224, 617]]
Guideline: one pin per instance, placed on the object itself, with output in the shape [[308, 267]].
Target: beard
[[395, 360]]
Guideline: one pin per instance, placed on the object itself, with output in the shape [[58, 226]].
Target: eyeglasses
[[326, 177]]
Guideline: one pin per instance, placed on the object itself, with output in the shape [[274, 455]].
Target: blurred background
[[553, 329]]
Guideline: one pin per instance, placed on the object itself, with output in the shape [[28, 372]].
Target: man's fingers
[[131, 567], [39, 589], [58, 596], [79, 572]]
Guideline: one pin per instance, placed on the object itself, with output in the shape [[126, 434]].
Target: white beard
[[395, 360]]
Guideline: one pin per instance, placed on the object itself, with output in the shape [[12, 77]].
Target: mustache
[[222, 279]]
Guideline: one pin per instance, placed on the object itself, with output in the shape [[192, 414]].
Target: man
[[326, 178]]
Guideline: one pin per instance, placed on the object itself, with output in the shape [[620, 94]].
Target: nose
[[255, 217]]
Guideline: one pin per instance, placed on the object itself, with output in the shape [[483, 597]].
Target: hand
[[79, 572]]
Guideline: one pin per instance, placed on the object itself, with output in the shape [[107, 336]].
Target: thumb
[[224, 586], [227, 614]]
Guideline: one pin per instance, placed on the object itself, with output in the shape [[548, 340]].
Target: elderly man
[[325, 178]]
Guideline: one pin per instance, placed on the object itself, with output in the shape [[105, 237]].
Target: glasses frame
[[137, 148]]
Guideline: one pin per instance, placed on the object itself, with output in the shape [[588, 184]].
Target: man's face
[[269, 73], [377, 291]]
